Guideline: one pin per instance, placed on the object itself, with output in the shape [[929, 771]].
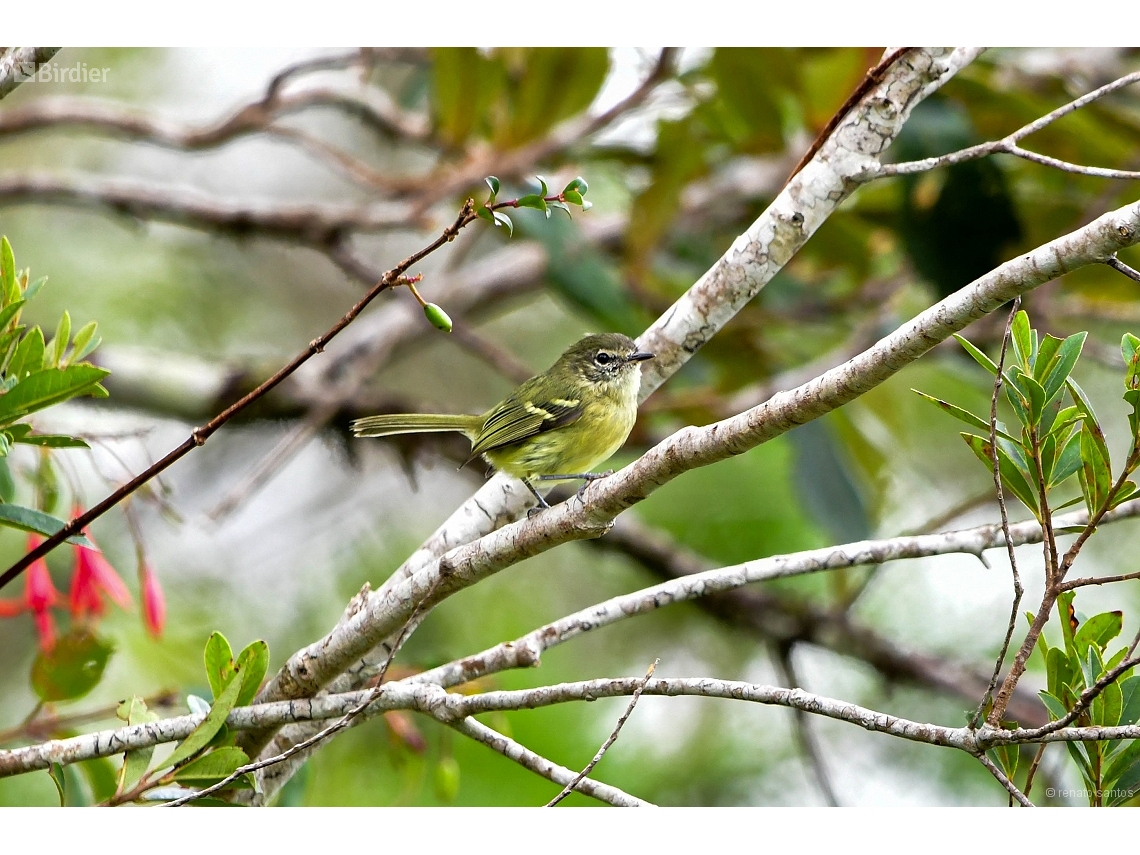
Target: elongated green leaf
[[34, 288], [1125, 787], [11, 292], [1099, 630], [977, 355], [1067, 356], [252, 662], [1068, 461], [55, 770], [1130, 695], [1053, 705], [214, 721], [219, 659], [1096, 479], [1058, 670], [1081, 402], [48, 387], [52, 440], [9, 312], [1012, 475], [62, 337], [211, 768], [1105, 708], [1022, 340], [1068, 620], [1121, 763], [1127, 491], [29, 355], [29, 519], [964, 415], [135, 764], [83, 337], [1046, 357]]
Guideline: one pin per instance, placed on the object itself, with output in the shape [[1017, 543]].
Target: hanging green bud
[[438, 317]]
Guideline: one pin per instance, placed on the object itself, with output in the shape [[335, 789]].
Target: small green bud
[[438, 317], [447, 779]]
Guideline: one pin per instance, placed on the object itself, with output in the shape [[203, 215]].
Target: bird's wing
[[518, 418]]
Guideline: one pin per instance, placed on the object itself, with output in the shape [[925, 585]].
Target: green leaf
[[34, 288], [219, 660], [1065, 610], [978, 356], [964, 415], [1058, 669], [1096, 479], [1105, 708], [1006, 756], [62, 337], [572, 197], [543, 190], [1121, 763], [493, 183], [214, 721], [253, 662], [1067, 356], [562, 207], [1032, 392], [52, 440], [29, 519], [55, 770], [1068, 461], [1130, 697], [72, 669], [532, 200], [135, 764], [1022, 340], [1130, 350], [577, 186], [8, 273], [1127, 491], [8, 314], [1046, 357], [29, 355], [84, 336], [502, 219], [1099, 630], [1126, 786], [101, 777], [1053, 705], [1081, 402], [48, 387], [133, 710], [1012, 475], [485, 213], [213, 767]]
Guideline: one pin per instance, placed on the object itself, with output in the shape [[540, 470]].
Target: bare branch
[[1021, 798], [1118, 265], [315, 225], [1017, 589]]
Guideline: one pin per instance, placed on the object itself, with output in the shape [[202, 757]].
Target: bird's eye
[[603, 358]]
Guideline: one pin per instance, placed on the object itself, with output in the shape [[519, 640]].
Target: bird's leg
[[586, 477], [541, 501]]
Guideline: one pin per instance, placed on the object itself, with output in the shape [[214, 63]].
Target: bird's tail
[[396, 423]]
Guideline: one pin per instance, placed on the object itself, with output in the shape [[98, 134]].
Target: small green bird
[[556, 426]]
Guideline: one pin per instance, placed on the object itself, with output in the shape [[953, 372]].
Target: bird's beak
[[640, 356]]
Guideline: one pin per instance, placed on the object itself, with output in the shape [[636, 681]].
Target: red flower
[[154, 603], [94, 576], [40, 597]]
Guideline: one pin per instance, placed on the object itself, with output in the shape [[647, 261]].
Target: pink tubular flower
[[154, 603], [40, 597], [94, 576]]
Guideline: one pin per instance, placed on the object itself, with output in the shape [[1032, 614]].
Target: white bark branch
[[13, 64]]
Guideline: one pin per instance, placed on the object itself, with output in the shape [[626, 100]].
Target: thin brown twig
[[199, 436], [569, 788], [1018, 590], [1033, 767], [1118, 265], [1011, 787]]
